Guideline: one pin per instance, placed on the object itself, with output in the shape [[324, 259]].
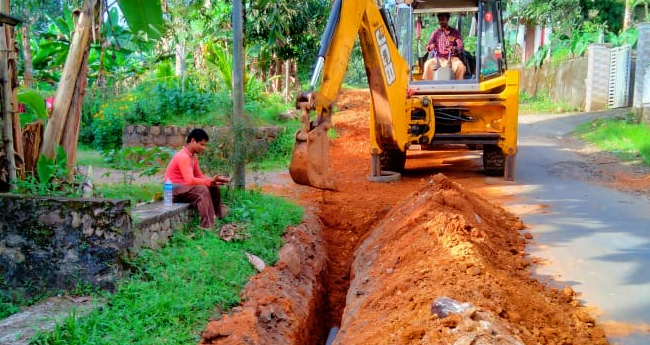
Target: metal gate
[[619, 77], [608, 77]]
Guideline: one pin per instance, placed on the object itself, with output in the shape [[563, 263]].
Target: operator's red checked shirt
[[441, 40]]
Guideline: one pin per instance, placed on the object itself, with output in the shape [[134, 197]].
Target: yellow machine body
[[478, 112]]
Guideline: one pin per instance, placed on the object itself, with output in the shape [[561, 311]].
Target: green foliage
[[145, 161], [604, 13], [143, 16], [107, 124], [136, 193], [220, 155], [169, 102], [220, 58], [628, 37], [86, 156], [542, 103], [279, 29], [50, 168], [52, 178], [563, 15], [538, 58], [279, 151], [12, 301], [174, 290], [35, 104], [8, 306], [624, 137], [356, 70]]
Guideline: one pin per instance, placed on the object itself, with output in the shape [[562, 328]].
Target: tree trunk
[[13, 77], [287, 79], [180, 63], [627, 17], [32, 139], [101, 78], [28, 76], [6, 104], [71, 130], [64, 114]]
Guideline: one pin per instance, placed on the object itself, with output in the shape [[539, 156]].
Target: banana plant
[[34, 101], [144, 17]]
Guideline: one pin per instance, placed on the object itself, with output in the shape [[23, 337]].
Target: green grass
[[175, 290], [279, 152], [542, 103], [137, 193], [628, 140], [87, 156]]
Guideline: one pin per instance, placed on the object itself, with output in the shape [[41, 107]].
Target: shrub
[[165, 103], [107, 124]]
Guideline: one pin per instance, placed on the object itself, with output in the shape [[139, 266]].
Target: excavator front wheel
[[493, 160], [393, 160]]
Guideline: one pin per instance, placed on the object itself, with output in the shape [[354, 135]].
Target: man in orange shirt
[[191, 186]]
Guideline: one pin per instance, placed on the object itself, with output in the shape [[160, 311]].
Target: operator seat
[[470, 64]]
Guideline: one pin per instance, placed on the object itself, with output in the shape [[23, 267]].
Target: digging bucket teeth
[[310, 158]]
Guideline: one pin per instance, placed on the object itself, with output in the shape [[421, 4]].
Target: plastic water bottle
[[167, 189]]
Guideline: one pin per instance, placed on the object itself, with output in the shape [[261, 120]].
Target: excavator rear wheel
[[393, 160], [493, 160]]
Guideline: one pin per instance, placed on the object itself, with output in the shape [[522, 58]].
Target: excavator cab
[[417, 101], [480, 25]]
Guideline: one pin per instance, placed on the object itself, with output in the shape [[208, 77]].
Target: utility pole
[[238, 92]]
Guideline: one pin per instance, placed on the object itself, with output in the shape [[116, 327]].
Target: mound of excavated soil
[[394, 252], [444, 241]]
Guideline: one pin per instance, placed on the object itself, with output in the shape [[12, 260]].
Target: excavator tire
[[393, 160], [493, 160]]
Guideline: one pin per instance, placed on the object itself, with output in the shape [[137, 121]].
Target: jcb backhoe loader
[[478, 112]]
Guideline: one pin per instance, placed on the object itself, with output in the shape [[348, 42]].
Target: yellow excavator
[[410, 109]]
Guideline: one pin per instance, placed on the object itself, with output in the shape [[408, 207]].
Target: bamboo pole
[[6, 108], [12, 74], [71, 70]]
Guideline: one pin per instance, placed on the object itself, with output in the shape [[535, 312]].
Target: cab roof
[[435, 6]]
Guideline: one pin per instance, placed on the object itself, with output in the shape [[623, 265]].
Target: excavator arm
[[387, 74]]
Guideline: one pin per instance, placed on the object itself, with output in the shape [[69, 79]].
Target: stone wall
[[59, 243], [175, 136], [564, 83], [56, 243]]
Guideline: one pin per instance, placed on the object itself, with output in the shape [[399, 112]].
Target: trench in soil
[[351, 212], [480, 259]]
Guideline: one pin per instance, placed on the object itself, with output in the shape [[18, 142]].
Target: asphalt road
[[593, 238]]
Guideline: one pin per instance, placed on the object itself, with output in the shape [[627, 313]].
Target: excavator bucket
[[310, 158]]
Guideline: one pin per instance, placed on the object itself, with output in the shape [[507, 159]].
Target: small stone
[[583, 316], [290, 258], [256, 262], [567, 294], [519, 225], [474, 271]]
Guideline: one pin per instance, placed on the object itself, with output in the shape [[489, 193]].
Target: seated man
[[191, 186], [447, 44]]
